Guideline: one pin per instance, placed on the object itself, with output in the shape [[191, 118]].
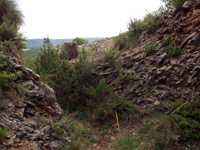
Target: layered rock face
[[27, 113], [159, 77]]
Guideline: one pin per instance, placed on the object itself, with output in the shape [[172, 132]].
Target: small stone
[[112, 138], [11, 141], [11, 108], [187, 4], [20, 104], [55, 144], [34, 146], [31, 124]]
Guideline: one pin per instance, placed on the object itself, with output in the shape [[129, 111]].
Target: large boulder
[[70, 50]]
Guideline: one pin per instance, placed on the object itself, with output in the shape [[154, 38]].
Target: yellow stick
[[179, 108], [118, 123]]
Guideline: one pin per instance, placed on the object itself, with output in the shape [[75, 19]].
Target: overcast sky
[[81, 18]]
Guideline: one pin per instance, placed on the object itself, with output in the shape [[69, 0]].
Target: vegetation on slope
[[80, 41], [76, 86], [10, 20], [77, 89]]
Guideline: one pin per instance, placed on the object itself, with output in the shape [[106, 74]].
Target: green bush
[[135, 27], [108, 101], [81, 136], [76, 86], [69, 81], [127, 143], [80, 41], [10, 20], [121, 41], [9, 9], [188, 118], [146, 126], [174, 4], [150, 48], [8, 29], [159, 133], [7, 73], [58, 130], [175, 51], [166, 42], [177, 4], [65, 79], [3, 133], [111, 54], [151, 21]]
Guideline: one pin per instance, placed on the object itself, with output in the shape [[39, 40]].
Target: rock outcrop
[[70, 50], [99, 44], [27, 112], [159, 77]]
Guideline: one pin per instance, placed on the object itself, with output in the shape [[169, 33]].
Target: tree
[[80, 41], [10, 20], [9, 9]]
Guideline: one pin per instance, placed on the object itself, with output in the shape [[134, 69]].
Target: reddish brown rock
[[70, 50]]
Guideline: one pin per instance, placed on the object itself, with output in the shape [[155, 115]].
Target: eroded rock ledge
[[27, 113]]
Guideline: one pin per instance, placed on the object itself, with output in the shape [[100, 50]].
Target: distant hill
[[37, 43]]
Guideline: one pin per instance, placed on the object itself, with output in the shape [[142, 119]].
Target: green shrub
[[7, 73], [80, 41], [121, 41], [9, 9], [127, 143], [76, 86], [188, 118], [150, 48], [81, 136], [177, 4], [159, 133], [3, 133], [146, 126], [69, 81], [111, 54], [8, 30], [166, 42], [175, 51], [10, 20], [135, 28], [108, 101], [58, 130], [151, 21]]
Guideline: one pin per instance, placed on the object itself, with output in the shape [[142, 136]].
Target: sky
[[81, 18]]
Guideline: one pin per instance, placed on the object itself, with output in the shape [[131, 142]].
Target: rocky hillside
[[27, 110], [161, 67], [159, 77]]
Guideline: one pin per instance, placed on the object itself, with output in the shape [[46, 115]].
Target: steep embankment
[[148, 78], [28, 106], [159, 77]]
